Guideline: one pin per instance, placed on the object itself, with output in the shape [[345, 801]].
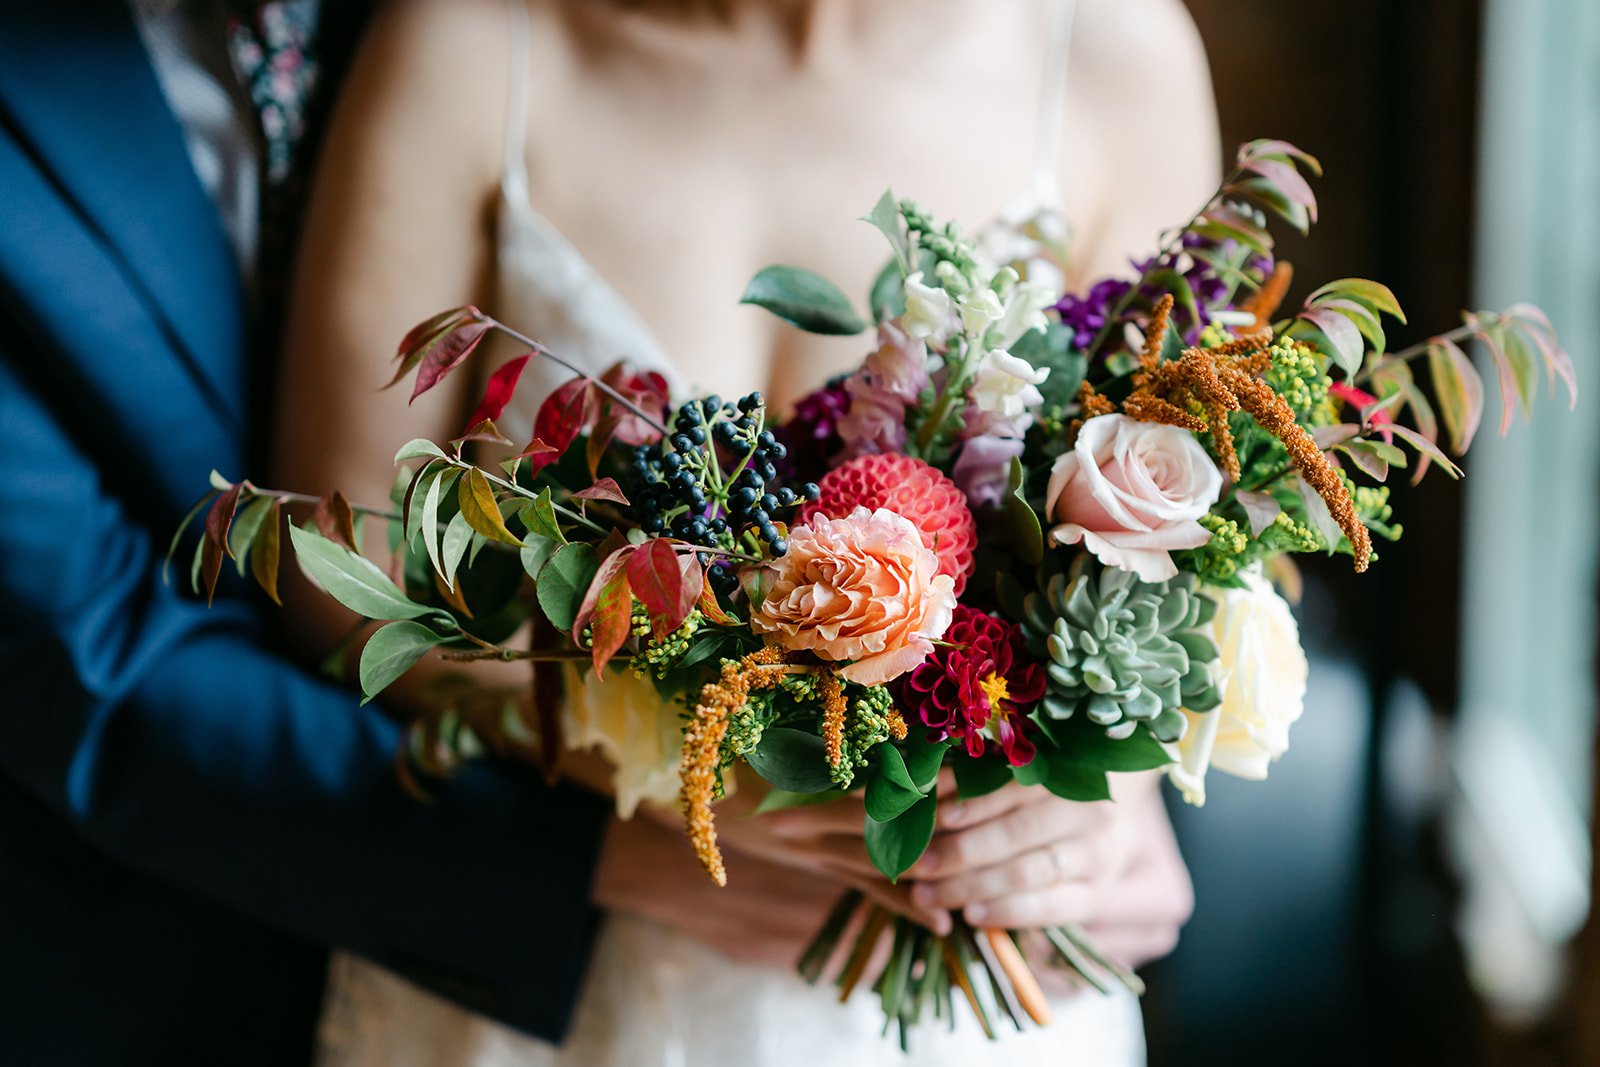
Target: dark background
[[1322, 928]]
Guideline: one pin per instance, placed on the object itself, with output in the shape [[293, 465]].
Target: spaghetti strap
[[1045, 181], [514, 176]]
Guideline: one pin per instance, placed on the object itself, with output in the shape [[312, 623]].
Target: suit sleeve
[[182, 745]]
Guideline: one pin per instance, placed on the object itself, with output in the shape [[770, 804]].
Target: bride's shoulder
[[434, 73]]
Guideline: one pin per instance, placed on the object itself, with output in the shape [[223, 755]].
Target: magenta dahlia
[[977, 684]]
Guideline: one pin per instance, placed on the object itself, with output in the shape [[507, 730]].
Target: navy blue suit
[[187, 818]]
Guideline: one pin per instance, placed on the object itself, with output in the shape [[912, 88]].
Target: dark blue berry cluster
[[710, 482]]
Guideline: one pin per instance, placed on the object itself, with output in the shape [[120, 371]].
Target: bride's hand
[[1023, 858], [825, 840]]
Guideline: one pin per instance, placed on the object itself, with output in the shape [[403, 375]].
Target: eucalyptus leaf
[[895, 845], [805, 299]]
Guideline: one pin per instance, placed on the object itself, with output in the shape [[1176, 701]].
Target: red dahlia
[[977, 683], [907, 487]]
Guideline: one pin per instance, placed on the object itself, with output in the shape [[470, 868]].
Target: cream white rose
[[1263, 670], [622, 716], [1132, 491]]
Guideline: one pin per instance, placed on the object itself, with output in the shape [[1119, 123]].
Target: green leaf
[[1373, 294], [457, 537], [539, 516], [391, 652], [890, 789], [536, 552], [1459, 389], [885, 217], [482, 510], [1083, 744], [177, 535], [805, 299], [563, 583], [1065, 779], [979, 777], [430, 516], [353, 580], [417, 448], [895, 845], [792, 760], [242, 537], [888, 297], [1023, 521], [782, 800], [923, 760]]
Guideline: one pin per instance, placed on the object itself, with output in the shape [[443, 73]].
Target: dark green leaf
[[805, 299], [536, 552], [393, 650], [979, 777], [923, 760], [895, 845], [539, 516], [563, 583], [793, 760], [1026, 532], [890, 789]]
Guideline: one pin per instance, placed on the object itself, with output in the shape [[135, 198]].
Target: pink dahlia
[[909, 487], [978, 683]]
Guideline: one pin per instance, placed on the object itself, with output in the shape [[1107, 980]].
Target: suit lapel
[[79, 94]]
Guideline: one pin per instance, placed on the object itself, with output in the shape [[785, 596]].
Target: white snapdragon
[[1005, 394], [1024, 310], [980, 309], [929, 310]]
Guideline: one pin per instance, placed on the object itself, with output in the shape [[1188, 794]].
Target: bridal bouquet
[[1035, 537]]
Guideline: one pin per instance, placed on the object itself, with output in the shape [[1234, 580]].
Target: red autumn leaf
[[646, 390], [605, 428], [424, 335], [604, 489], [709, 605], [564, 414], [215, 546], [659, 579], [612, 563], [612, 620], [448, 353], [498, 392], [336, 520], [539, 455]]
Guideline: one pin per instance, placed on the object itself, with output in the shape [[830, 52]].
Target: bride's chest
[[677, 195]]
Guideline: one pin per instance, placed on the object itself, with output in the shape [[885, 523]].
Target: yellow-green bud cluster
[[660, 655], [1296, 374], [866, 725], [1284, 534]]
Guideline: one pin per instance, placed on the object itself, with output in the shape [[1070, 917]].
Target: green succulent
[[1123, 651]]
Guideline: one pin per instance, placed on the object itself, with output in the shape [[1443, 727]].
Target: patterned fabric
[[271, 54]]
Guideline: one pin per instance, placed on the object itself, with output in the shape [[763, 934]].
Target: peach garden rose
[[861, 589], [1132, 492]]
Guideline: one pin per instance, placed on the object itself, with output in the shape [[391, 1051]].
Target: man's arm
[[185, 748]]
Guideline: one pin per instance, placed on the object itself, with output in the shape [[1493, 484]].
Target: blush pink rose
[[862, 590], [1132, 491]]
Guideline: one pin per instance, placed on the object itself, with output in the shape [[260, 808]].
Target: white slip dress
[[654, 997]]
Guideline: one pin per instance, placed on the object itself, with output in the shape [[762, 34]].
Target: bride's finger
[[844, 816], [1017, 831], [898, 899], [961, 814], [1069, 902], [1041, 868]]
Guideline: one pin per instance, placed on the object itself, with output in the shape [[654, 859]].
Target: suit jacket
[[188, 819]]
